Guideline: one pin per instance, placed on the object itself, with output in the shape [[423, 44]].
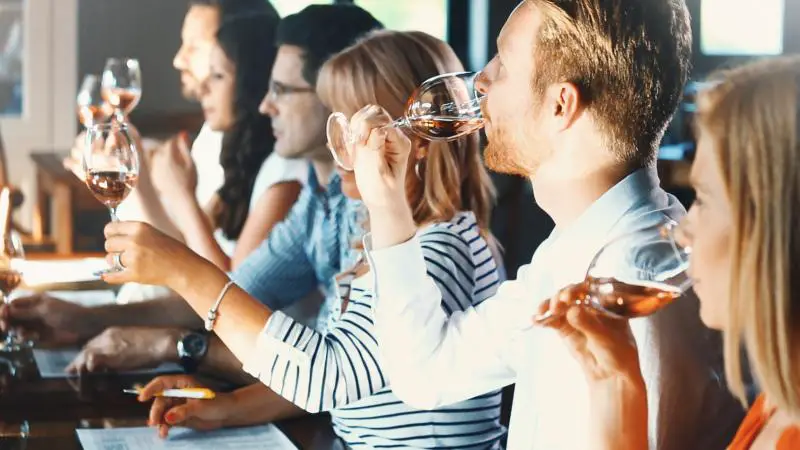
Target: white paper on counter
[[248, 438], [38, 272], [83, 298]]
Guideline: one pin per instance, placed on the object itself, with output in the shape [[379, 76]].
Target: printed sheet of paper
[[51, 364], [249, 438]]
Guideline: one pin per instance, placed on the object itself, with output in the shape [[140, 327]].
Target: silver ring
[[118, 260]]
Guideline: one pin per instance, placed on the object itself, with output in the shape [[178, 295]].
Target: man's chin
[[190, 96], [499, 160], [190, 93]]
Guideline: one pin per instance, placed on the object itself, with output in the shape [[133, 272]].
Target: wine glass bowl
[[443, 108], [92, 108], [122, 85], [634, 275], [110, 163]]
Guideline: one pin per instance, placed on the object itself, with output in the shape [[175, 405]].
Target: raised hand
[[603, 345], [148, 255]]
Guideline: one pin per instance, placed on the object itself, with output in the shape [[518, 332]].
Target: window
[[12, 32], [287, 7], [429, 16], [739, 28]]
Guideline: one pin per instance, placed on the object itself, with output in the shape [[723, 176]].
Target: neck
[[566, 187], [323, 167]]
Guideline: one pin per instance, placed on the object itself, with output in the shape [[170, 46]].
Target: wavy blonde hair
[[384, 68], [752, 112]]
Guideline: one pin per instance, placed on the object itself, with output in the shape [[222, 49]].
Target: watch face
[[194, 345]]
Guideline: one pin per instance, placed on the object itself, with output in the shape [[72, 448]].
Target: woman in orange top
[[744, 231]]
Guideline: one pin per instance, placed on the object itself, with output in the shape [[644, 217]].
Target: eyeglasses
[[278, 89]]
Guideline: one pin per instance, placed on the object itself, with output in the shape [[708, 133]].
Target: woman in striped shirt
[[339, 371]]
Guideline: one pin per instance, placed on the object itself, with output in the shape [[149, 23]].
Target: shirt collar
[[334, 186], [601, 216]]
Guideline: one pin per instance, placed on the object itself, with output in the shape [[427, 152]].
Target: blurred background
[[46, 46]]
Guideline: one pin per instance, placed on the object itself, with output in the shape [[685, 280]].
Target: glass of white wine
[[635, 275], [443, 108]]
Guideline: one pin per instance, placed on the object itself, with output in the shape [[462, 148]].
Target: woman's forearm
[[220, 361], [257, 404], [619, 415], [240, 318]]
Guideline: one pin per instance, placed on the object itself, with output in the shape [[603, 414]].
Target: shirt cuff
[[400, 270], [275, 342]]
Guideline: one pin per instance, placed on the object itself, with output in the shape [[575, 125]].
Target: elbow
[[309, 408]]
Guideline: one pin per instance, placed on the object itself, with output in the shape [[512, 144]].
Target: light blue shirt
[[494, 344], [306, 250]]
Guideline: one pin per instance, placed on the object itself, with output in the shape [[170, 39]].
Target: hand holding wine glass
[[602, 344], [380, 156], [443, 108], [110, 165], [122, 85]]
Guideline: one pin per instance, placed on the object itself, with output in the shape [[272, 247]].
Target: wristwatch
[[192, 348]]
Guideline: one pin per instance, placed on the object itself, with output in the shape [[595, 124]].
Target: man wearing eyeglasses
[[301, 254]]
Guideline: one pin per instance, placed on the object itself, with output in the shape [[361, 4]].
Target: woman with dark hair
[[259, 186]]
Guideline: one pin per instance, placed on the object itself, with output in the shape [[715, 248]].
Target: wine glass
[[10, 278], [443, 108], [122, 85], [635, 275], [92, 108], [111, 165]]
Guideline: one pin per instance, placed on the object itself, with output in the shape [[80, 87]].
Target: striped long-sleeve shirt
[[339, 370]]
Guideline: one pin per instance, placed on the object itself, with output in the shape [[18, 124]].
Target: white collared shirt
[[206, 149], [495, 343]]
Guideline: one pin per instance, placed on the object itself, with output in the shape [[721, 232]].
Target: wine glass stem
[[399, 123], [113, 212], [11, 338]]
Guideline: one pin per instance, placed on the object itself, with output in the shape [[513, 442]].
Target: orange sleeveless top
[[752, 425]]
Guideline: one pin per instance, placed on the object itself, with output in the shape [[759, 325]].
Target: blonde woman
[[744, 231], [338, 370]]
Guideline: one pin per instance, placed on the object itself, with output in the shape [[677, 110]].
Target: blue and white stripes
[[339, 370]]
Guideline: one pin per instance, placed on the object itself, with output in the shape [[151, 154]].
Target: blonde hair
[[384, 68], [752, 113]]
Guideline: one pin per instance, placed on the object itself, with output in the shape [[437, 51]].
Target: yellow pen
[[194, 393]]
